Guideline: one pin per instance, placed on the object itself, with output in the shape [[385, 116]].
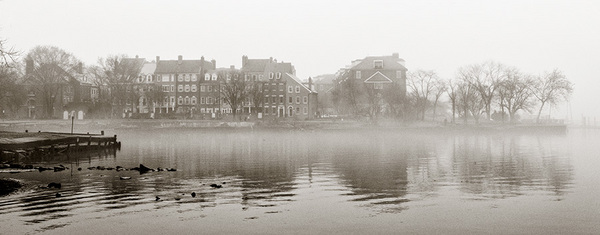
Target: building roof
[[256, 65], [148, 68], [389, 63], [324, 79], [186, 66]]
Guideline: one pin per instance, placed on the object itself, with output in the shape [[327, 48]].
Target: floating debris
[[125, 178], [54, 185], [193, 194], [216, 185]]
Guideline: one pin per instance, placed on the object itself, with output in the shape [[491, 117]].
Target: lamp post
[[72, 121]]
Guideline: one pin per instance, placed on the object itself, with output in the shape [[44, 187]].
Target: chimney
[[270, 59], [396, 55], [80, 68], [310, 83], [232, 67], [157, 59], [214, 62], [137, 57], [244, 61], [179, 59], [28, 66]]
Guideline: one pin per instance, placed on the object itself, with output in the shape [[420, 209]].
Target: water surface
[[330, 181]]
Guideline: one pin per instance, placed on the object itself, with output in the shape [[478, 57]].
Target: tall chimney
[[80, 68], [157, 59], [232, 67], [179, 59], [214, 62], [244, 60], [28, 66], [396, 55]]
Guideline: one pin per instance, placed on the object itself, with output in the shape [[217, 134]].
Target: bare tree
[[52, 69], [119, 73], [515, 93], [234, 90], [8, 55], [551, 88], [484, 78], [256, 94], [439, 87], [452, 91], [422, 86], [395, 100]]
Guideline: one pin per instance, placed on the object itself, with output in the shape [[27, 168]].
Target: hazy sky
[[320, 37]]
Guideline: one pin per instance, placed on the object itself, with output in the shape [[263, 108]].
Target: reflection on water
[[380, 171]]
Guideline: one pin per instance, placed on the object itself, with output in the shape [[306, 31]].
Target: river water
[[318, 182]]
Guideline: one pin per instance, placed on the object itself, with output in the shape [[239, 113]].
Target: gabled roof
[[186, 66], [299, 82], [389, 63], [378, 77]]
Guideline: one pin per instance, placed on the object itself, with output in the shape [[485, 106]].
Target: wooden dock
[[49, 143]]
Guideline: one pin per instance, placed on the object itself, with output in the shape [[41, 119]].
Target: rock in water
[[144, 168], [54, 185], [215, 185], [58, 195], [193, 194], [124, 177]]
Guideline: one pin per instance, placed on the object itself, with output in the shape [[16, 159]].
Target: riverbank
[[113, 125]]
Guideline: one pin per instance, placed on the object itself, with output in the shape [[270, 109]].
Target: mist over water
[[319, 181]]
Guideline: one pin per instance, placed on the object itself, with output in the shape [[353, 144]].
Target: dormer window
[[378, 64], [357, 75], [214, 76], [271, 75], [207, 77], [278, 75]]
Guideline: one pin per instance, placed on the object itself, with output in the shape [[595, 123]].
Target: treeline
[[488, 90]]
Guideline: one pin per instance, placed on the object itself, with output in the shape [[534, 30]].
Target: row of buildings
[[193, 88]]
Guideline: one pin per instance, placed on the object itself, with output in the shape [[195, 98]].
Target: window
[[194, 77], [378, 64], [281, 86], [281, 100], [378, 86], [253, 77], [398, 74], [149, 78], [202, 110], [266, 99], [209, 100], [180, 77], [180, 88], [357, 75], [271, 75], [214, 76], [290, 89], [278, 75], [187, 77], [305, 110], [290, 100], [274, 110], [297, 109], [201, 88], [206, 76], [194, 88], [202, 100], [172, 77], [228, 77], [165, 77], [180, 100], [305, 99], [260, 77], [290, 111], [209, 88], [165, 88], [297, 99], [172, 99], [194, 100], [209, 110], [186, 100], [297, 89], [173, 90], [186, 88]]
